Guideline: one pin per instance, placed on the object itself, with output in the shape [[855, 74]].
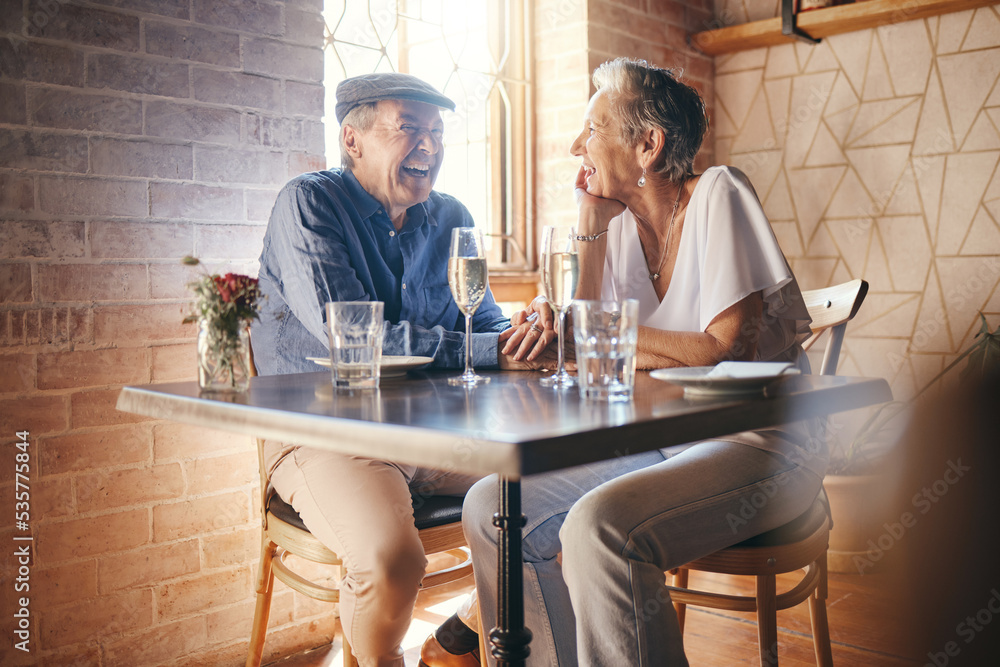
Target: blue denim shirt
[[329, 240]]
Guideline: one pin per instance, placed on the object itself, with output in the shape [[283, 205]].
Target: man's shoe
[[432, 654]]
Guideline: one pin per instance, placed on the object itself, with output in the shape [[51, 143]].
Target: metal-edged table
[[512, 426]]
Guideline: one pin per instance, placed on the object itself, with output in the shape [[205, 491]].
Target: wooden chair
[[438, 519], [800, 544], [831, 308]]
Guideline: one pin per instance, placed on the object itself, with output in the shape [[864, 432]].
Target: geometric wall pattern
[[875, 154]]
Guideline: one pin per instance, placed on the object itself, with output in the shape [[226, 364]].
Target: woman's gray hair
[[361, 118], [645, 97]]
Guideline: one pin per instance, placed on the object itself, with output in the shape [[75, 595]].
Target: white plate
[[391, 366], [702, 381]]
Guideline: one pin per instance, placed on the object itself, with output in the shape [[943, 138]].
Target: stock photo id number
[[22, 540]]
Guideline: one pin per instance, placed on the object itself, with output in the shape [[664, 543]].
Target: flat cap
[[386, 86]]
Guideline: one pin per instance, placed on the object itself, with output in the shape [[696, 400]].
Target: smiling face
[[398, 159], [612, 169]]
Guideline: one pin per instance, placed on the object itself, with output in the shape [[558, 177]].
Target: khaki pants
[[362, 510]]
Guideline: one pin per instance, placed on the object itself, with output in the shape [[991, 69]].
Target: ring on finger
[[536, 329]]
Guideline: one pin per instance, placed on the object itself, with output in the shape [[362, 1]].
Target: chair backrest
[[832, 308], [265, 484], [253, 364]]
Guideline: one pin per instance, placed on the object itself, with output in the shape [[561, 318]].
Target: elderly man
[[372, 230]]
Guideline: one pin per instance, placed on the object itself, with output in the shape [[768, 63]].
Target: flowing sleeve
[[739, 255]]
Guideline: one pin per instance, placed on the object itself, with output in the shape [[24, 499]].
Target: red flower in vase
[[224, 299]]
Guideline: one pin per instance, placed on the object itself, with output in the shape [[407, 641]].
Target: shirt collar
[[367, 205]]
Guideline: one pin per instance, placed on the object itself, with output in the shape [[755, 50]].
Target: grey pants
[[620, 524]]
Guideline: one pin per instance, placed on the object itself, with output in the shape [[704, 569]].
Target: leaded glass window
[[476, 52]]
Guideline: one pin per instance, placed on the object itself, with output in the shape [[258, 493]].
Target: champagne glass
[[560, 274], [467, 280]]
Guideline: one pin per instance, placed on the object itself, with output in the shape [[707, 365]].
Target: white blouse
[[727, 251]]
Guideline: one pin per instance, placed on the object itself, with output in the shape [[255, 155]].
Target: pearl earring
[[642, 179]]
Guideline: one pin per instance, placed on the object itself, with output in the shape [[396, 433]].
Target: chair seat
[[427, 512], [796, 530]]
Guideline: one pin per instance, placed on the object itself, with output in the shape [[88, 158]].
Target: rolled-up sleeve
[[446, 347]]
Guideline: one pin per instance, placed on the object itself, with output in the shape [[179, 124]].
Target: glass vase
[[223, 357]]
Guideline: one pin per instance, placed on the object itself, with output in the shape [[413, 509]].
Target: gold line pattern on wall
[[875, 154]]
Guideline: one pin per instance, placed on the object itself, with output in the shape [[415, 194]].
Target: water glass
[[605, 333], [355, 329]]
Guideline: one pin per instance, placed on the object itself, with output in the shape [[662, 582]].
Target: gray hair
[[645, 97], [361, 118]]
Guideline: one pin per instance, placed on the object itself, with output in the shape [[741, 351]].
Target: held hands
[[527, 343], [531, 330]]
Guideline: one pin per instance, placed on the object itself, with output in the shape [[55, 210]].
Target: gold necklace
[[670, 230]]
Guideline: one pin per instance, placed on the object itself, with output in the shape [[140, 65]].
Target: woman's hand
[[531, 331], [595, 212]]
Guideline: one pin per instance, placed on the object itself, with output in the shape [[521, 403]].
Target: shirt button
[[392, 233], [404, 285]]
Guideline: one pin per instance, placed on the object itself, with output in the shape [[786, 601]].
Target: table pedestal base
[[510, 638]]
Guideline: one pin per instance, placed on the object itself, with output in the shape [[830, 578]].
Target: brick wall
[[573, 37], [132, 133]]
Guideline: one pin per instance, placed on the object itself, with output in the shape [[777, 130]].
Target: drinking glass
[[560, 274], [467, 280], [606, 333], [355, 329]]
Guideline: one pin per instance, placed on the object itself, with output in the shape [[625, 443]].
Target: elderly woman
[[699, 255]]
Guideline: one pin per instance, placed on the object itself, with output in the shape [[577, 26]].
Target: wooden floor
[[857, 608]]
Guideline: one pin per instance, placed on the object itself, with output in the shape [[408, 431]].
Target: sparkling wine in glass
[[467, 280], [560, 275]]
